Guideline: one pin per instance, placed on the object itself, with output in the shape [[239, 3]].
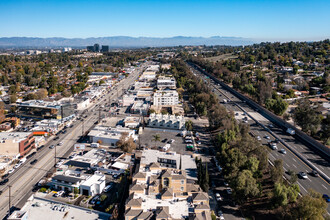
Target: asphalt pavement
[[290, 160], [25, 178]]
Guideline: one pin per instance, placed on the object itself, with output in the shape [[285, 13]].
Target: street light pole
[[82, 129], [9, 187], [99, 113], [55, 157]]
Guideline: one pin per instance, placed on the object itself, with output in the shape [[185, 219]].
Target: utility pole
[[99, 113], [82, 129], [55, 157], [9, 188], [62, 114]]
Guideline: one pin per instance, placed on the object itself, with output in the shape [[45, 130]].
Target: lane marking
[[302, 187]]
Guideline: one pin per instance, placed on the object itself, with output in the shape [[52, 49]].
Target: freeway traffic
[[23, 180], [266, 131]]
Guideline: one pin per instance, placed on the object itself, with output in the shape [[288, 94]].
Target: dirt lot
[[221, 57]]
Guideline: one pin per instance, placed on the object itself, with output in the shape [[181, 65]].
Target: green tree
[[66, 93], [30, 96], [291, 94], [101, 82], [189, 125], [280, 196], [283, 195], [310, 207], [156, 137], [76, 190], [306, 117], [277, 171], [245, 186], [12, 98], [253, 165], [126, 143], [278, 105], [41, 94], [325, 128]]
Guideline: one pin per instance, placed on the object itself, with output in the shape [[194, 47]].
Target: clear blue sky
[[265, 20]]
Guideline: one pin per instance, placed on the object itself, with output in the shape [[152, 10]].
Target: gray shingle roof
[[139, 175], [167, 192], [137, 187], [145, 216], [162, 212], [133, 212], [134, 202], [200, 196]]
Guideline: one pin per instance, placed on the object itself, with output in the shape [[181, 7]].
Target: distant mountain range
[[120, 41]]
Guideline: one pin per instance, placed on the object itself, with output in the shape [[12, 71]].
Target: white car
[[60, 144], [267, 137], [17, 165], [11, 171], [258, 138], [218, 197], [303, 175], [108, 187], [283, 151], [273, 145], [188, 141]]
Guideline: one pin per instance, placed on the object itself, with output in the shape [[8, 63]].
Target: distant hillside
[[120, 41]]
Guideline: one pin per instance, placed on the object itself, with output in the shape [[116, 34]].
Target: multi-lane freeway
[[262, 127], [23, 180]]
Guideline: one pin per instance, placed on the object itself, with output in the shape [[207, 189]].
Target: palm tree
[[156, 138]]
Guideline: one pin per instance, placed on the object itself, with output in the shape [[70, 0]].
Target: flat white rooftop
[[39, 208], [177, 210], [94, 179]]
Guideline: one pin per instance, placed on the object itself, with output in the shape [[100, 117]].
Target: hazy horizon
[[257, 40], [283, 20]]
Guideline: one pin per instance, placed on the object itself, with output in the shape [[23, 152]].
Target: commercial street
[[24, 179]]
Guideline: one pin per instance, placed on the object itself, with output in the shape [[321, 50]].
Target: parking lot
[[147, 139]]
